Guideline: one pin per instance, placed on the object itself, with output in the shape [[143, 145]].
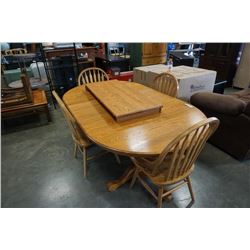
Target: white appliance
[[34, 69]]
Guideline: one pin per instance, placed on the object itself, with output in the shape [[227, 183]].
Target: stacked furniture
[[14, 74], [17, 96], [23, 101], [233, 134]]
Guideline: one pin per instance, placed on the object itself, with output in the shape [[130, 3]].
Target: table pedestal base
[[127, 175]]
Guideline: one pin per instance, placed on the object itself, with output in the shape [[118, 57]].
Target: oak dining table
[[143, 136]]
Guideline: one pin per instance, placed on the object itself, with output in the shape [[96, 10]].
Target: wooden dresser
[[147, 53]]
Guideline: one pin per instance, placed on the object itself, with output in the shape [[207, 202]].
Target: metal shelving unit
[[62, 71]]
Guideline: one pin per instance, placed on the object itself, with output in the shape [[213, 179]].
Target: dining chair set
[[172, 168]]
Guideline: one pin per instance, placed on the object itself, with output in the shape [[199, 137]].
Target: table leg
[[127, 175], [47, 113]]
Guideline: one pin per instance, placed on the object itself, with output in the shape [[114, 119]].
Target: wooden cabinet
[[147, 53], [147, 49], [221, 57], [154, 60], [159, 49]]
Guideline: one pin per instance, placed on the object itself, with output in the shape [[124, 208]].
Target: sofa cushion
[[247, 109], [225, 104]]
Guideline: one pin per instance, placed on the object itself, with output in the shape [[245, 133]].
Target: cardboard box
[[141, 73], [191, 80]]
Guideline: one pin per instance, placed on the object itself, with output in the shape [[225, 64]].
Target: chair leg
[[190, 188], [134, 178], [160, 192], [117, 159], [75, 150], [84, 159]]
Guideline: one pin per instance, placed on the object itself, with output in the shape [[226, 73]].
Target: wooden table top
[[122, 100], [147, 135]]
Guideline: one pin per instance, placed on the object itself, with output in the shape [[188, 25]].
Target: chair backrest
[[15, 51], [75, 130], [8, 52], [177, 159], [166, 83], [93, 74]]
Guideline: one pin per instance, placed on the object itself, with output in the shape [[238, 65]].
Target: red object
[[124, 76], [102, 48]]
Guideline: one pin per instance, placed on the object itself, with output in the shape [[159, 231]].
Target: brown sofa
[[233, 134]]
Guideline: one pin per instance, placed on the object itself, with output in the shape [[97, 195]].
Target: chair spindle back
[[93, 74], [166, 83], [182, 152]]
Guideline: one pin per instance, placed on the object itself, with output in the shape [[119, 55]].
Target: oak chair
[[176, 162], [93, 74], [15, 51], [166, 83], [82, 143]]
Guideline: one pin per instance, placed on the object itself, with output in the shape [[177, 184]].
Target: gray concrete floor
[[39, 170]]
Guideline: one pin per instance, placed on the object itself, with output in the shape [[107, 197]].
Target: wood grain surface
[[142, 136], [124, 101]]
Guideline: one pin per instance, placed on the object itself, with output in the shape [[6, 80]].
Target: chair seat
[[148, 166], [83, 142], [159, 177]]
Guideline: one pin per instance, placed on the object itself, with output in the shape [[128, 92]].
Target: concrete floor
[[39, 170]]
